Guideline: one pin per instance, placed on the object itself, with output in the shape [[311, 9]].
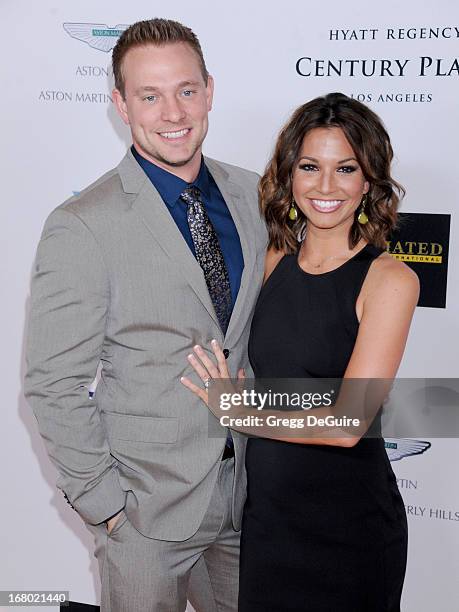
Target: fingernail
[[213, 341], [190, 356]]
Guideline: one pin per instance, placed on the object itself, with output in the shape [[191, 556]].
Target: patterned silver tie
[[209, 255]]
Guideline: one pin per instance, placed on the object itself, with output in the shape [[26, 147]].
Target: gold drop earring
[[362, 218], [292, 213]]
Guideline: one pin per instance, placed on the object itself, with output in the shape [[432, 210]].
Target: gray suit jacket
[[114, 281]]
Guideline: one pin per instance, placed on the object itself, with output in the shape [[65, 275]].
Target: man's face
[[166, 104]]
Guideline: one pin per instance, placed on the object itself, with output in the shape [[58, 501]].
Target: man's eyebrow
[[192, 83], [145, 88]]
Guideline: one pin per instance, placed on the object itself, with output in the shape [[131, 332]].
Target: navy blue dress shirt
[[170, 187]]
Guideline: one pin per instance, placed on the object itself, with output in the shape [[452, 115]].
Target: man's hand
[[112, 521]]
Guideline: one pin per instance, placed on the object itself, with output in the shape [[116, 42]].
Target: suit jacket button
[[226, 353]]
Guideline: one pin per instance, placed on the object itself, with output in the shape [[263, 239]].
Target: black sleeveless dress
[[324, 528]]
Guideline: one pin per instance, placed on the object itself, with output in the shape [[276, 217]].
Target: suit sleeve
[[69, 309]]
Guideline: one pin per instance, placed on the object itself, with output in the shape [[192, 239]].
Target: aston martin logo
[[404, 447], [96, 35]]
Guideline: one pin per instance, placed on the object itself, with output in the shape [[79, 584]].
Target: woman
[[324, 525]]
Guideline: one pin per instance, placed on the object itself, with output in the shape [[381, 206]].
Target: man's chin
[[177, 162]]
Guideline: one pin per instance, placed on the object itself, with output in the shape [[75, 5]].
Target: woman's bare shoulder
[[272, 258], [387, 274]]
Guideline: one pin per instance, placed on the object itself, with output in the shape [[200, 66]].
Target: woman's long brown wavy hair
[[373, 150]]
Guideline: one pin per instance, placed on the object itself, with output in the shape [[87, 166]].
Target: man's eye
[[347, 169], [188, 93], [308, 167]]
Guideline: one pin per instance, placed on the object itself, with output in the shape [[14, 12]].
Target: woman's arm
[[386, 304], [390, 295]]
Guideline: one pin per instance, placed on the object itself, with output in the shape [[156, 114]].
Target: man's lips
[[175, 135], [326, 206]]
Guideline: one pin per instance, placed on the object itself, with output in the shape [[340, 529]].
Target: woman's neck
[[320, 243]]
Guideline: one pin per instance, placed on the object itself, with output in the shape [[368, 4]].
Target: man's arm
[[69, 308]]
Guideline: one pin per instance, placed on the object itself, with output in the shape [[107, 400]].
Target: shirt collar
[[169, 185]]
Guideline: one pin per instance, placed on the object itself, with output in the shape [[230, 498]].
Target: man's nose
[[172, 110]]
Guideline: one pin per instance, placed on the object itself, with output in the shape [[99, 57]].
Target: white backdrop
[[57, 139]]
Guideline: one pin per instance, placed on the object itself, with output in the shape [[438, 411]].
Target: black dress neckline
[[362, 250]]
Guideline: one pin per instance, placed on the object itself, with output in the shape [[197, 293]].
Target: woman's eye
[[308, 167], [347, 169]]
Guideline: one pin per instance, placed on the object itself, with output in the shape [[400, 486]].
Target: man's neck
[[187, 172]]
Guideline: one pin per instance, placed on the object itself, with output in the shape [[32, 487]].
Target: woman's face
[[328, 183]]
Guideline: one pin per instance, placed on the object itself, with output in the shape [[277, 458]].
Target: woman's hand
[[207, 370]]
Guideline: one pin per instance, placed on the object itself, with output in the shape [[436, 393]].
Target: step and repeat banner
[[60, 132]]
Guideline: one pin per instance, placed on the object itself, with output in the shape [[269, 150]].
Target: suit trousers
[[140, 574]]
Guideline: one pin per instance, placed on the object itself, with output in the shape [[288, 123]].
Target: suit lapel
[[237, 205], [149, 205]]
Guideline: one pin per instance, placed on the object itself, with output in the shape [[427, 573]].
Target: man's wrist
[[110, 517]]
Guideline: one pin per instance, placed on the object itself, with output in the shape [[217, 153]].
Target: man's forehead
[[164, 52], [162, 63]]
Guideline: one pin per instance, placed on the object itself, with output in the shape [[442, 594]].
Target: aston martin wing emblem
[[404, 447], [96, 35]]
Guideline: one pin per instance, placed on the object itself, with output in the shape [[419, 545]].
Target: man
[[160, 254]]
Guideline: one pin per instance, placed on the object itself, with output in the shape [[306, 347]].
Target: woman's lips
[[326, 206]]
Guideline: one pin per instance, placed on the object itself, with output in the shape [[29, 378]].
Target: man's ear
[[120, 105], [210, 91]]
